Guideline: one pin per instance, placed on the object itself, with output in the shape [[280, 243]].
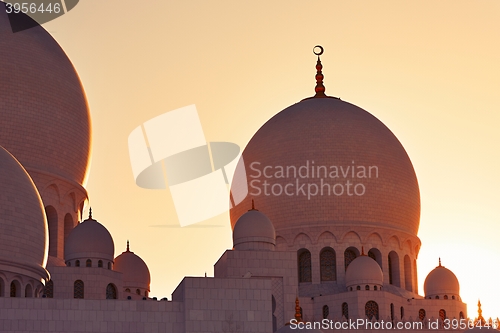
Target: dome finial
[[439, 261], [90, 213], [480, 320], [320, 88], [128, 246], [298, 315], [253, 206]]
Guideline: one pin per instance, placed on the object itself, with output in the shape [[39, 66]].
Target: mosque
[[326, 236]]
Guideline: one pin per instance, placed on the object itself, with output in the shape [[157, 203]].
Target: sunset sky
[[428, 70]]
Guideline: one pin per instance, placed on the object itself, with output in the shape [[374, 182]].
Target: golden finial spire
[[128, 246], [439, 261], [90, 213], [298, 315], [480, 320], [320, 88]]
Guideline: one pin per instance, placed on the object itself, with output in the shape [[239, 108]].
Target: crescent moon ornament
[[320, 52]]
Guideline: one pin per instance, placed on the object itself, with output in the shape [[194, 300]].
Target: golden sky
[[429, 70]]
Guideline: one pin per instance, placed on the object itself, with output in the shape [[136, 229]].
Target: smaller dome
[[134, 269], [362, 271], [441, 281], [254, 231], [89, 240]]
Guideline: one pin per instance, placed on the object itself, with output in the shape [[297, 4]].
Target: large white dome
[[44, 113], [321, 134], [23, 224]]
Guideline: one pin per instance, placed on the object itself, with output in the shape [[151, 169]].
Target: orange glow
[[428, 70]]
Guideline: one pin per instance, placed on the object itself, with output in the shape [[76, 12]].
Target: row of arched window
[[79, 290], [328, 265], [442, 314], [88, 263], [52, 221], [444, 297], [15, 289], [367, 287], [372, 310], [345, 311], [138, 291]]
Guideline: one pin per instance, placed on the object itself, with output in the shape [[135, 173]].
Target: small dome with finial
[[364, 271], [89, 240], [441, 282], [134, 269], [254, 231]]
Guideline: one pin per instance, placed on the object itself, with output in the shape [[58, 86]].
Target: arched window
[[437, 297], [328, 268], [68, 224], [137, 291], [408, 274], [445, 296], [2, 285], [392, 311], [109, 265], [88, 263], [127, 290], [345, 310], [78, 289], [99, 263], [375, 288], [110, 291], [68, 263], [304, 258], [402, 312], [349, 256], [421, 314], [52, 221], [358, 288], [452, 297], [48, 290], [77, 263], [371, 310], [462, 315], [367, 287], [351, 288], [393, 261], [326, 311], [28, 291], [442, 314], [376, 255], [15, 289]]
